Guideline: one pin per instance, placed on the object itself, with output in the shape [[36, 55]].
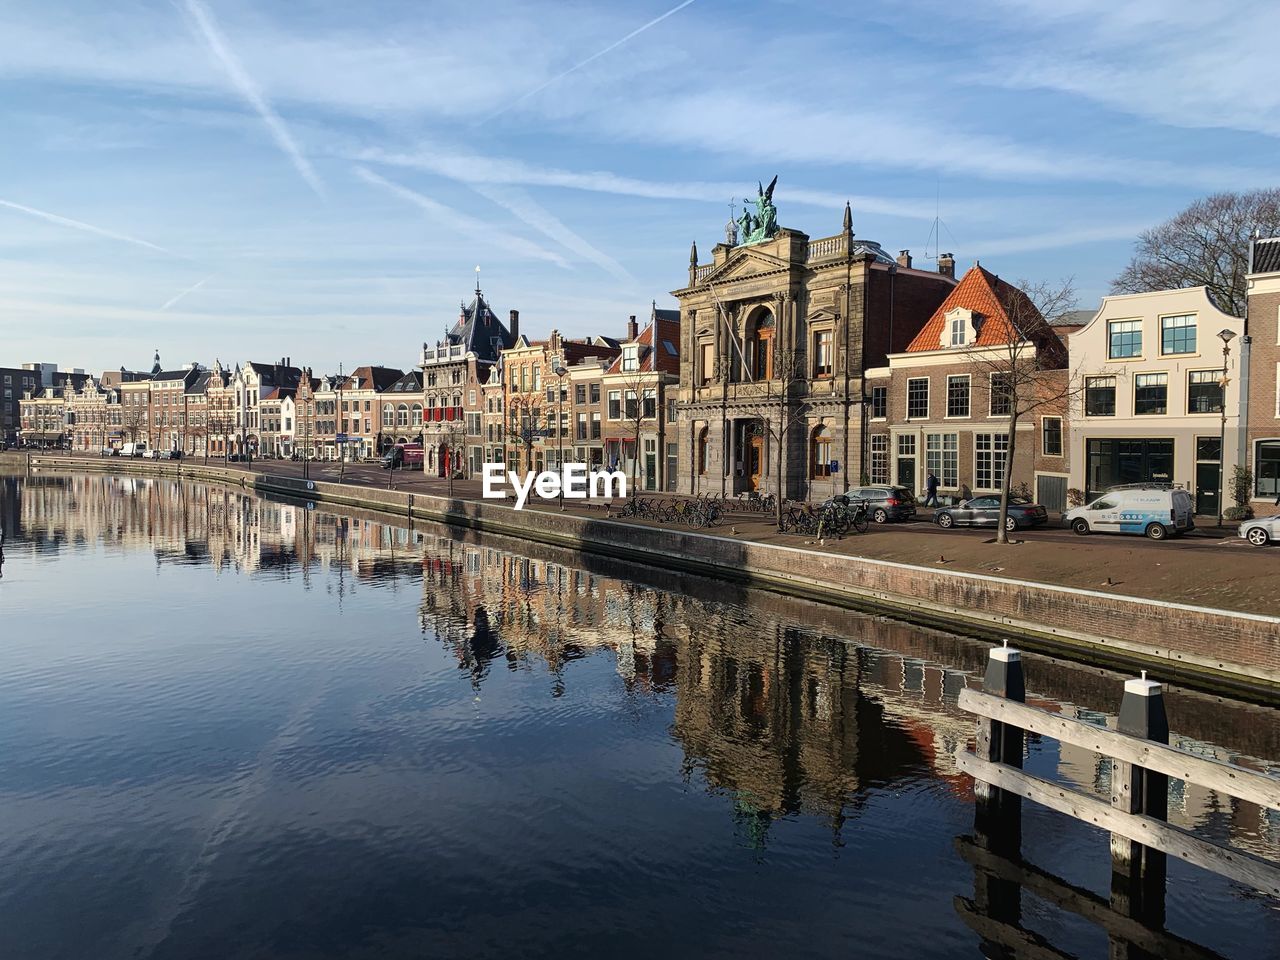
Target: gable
[[744, 264]]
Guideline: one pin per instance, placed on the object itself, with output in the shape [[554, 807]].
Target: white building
[[1151, 404]]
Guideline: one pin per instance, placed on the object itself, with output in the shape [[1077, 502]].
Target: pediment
[[819, 316], [745, 264]]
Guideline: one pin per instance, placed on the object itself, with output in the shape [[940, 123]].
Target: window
[[1178, 334], [580, 393], [820, 453], [761, 347], [1124, 338], [537, 378], [615, 404], [1099, 396], [1150, 394], [958, 396], [823, 362], [917, 398], [671, 410], [879, 403], [1051, 436], [707, 362], [650, 404], [415, 415], [1001, 397], [582, 427], [595, 426], [1266, 468], [402, 415], [942, 456], [631, 358], [991, 451], [704, 450], [631, 407], [959, 327], [595, 393], [551, 394], [1204, 391]]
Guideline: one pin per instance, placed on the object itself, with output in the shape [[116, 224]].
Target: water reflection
[[466, 744]]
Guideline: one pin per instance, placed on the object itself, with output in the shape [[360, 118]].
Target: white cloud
[[204, 21]]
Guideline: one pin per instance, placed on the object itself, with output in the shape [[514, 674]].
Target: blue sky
[[232, 179]]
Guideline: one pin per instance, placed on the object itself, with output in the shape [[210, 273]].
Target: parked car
[[233, 458], [985, 512], [887, 503], [1261, 531], [108, 452], [173, 454], [1156, 510]]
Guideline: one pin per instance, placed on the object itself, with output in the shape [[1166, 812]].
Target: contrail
[[244, 84], [191, 289], [595, 56], [477, 229], [86, 227]]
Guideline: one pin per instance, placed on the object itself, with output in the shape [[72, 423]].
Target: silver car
[[1261, 531]]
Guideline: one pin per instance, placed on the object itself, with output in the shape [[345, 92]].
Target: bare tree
[[1207, 244], [1028, 372], [639, 403], [453, 435]]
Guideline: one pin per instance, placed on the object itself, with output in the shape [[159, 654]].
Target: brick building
[[169, 416], [454, 370], [1262, 396], [640, 424], [781, 330], [538, 401], [359, 398], [248, 386], [937, 406]]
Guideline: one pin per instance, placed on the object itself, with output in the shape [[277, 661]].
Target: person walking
[[931, 490]]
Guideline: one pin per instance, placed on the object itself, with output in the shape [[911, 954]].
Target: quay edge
[[1176, 642]]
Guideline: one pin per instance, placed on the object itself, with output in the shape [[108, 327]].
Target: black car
[[887, 503], [985, 512]]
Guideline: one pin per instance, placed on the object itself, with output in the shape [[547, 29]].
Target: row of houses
[[795, 366]]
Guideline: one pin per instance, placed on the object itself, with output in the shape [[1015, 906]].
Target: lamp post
[[1226, 336], [560, 372], [342, 424]]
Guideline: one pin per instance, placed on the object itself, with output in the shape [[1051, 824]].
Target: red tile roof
[[668, 356], [992, 299]]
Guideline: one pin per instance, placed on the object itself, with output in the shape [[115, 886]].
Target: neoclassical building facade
[[775, 336]]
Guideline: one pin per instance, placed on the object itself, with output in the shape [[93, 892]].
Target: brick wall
[[1264, 317]]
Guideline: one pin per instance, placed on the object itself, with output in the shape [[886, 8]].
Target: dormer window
[[961, 328], [631, 358]]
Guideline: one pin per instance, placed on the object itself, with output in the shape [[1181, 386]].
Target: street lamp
[[1226, 336], [560, 371]]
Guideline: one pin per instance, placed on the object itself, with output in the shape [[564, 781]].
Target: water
[[231, 727]]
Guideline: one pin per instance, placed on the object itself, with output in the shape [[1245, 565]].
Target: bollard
[[1137, 871]]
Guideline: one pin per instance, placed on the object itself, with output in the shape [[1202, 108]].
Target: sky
[[244, 179]]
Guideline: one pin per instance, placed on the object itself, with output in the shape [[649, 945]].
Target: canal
[[233, 727]]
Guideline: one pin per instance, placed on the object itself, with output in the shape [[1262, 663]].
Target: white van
[[1156, 510], [133, 450]]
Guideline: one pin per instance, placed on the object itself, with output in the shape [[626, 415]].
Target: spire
[[693, 254], [155, 367], [848, 219]]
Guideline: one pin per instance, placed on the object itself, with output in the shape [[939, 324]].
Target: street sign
[[834, 466], [340, 438]]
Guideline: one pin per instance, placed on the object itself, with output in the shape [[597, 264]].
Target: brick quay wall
[[1218, 650]]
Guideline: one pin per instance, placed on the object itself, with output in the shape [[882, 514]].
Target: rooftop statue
[[764, 225]]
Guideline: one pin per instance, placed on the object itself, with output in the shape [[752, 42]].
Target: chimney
[[904, 259], [633, 329], [947, 265], [515, 324]]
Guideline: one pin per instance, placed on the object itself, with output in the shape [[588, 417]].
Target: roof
[[380, 378], [991, 300], [201, 382], [1072, 318], [275, 375], [1266, 255], [411, 382], [667, 358], [480, 331]]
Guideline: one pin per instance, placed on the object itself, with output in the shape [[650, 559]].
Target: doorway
[[755, 462], [1208, 475], [907, 461]]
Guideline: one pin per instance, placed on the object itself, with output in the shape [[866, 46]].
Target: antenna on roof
[[477, 285], [935, 232]]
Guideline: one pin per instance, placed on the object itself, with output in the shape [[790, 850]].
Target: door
[[1208, 475], [1208, 479], [755, 462], [1052, 493], [907, 473]]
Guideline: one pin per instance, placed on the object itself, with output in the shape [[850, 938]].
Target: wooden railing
[[1141, 763]]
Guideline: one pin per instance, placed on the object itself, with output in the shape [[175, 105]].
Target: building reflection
[[785, 707]]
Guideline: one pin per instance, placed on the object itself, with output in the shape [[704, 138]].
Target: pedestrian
[[931, 490]]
